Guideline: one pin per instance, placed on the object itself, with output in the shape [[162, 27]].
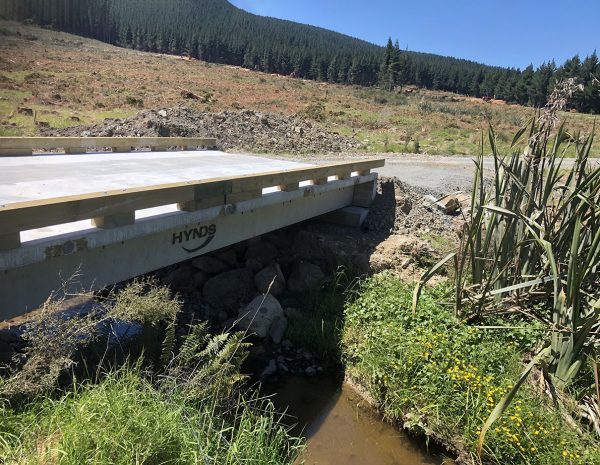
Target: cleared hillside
[[53, 79], [218, 32]]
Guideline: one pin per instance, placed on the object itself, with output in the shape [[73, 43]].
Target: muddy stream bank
[[340, 428]]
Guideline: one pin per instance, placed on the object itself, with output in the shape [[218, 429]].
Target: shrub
[[316, 111]]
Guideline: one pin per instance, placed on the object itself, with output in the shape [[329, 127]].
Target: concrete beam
[[348, 216], [114, 221], [364, 194], [101, 257]]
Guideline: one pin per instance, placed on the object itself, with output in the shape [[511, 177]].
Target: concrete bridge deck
[[107, 217]]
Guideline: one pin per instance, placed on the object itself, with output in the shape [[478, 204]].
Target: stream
[[340, 428]]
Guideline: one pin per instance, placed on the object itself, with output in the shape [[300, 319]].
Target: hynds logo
[[201, 232]]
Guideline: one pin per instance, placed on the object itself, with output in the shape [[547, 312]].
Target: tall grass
[[126, 420], [186, 407]]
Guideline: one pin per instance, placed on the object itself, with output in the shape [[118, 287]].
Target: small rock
[[228, 290], [270, 369], [272, 277], [211, 265], [449, 204], [406, 262], [229, 257], [404, 204], [278, 327], [200, 279], [162, 113], [263, 253], [283, 367], [258, 316], [180, 277], [253, 265], [310, 371], [305, 278]]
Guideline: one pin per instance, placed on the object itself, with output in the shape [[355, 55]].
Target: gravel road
[[436, 175]]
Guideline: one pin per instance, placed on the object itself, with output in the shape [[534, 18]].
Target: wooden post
[[75, 151], [294, 186], [114, 221], [10, 241], [15, 152], [243, 196], [194, 205], [344, 175], [364, 194]]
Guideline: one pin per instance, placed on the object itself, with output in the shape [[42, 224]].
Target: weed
[[134, 101]]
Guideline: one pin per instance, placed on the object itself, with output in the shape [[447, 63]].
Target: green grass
[[125, 420], [439, 376]]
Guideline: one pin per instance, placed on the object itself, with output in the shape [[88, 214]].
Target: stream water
[[340, 428]]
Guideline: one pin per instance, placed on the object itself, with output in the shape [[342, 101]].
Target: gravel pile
[[400, 209], [244, 130]]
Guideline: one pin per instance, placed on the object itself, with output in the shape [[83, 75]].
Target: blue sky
[[496, 32]]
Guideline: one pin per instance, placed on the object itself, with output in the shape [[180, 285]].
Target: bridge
[[91, 212]]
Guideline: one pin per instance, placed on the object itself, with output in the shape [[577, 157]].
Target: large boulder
[[199, 279], [210, 265], [229, 256], [263, 253], [260, 314], [277, 329], [180, 277], [268, 275], [227, 291], [306, 277]]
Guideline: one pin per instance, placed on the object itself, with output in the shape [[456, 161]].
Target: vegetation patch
[[437, 375], [186, 406]]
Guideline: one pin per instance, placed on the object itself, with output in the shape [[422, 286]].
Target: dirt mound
[[244, 130]]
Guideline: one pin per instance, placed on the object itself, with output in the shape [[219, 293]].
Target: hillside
[[218, 32], [51, 79]]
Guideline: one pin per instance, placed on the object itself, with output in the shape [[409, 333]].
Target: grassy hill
[[50, 78]]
